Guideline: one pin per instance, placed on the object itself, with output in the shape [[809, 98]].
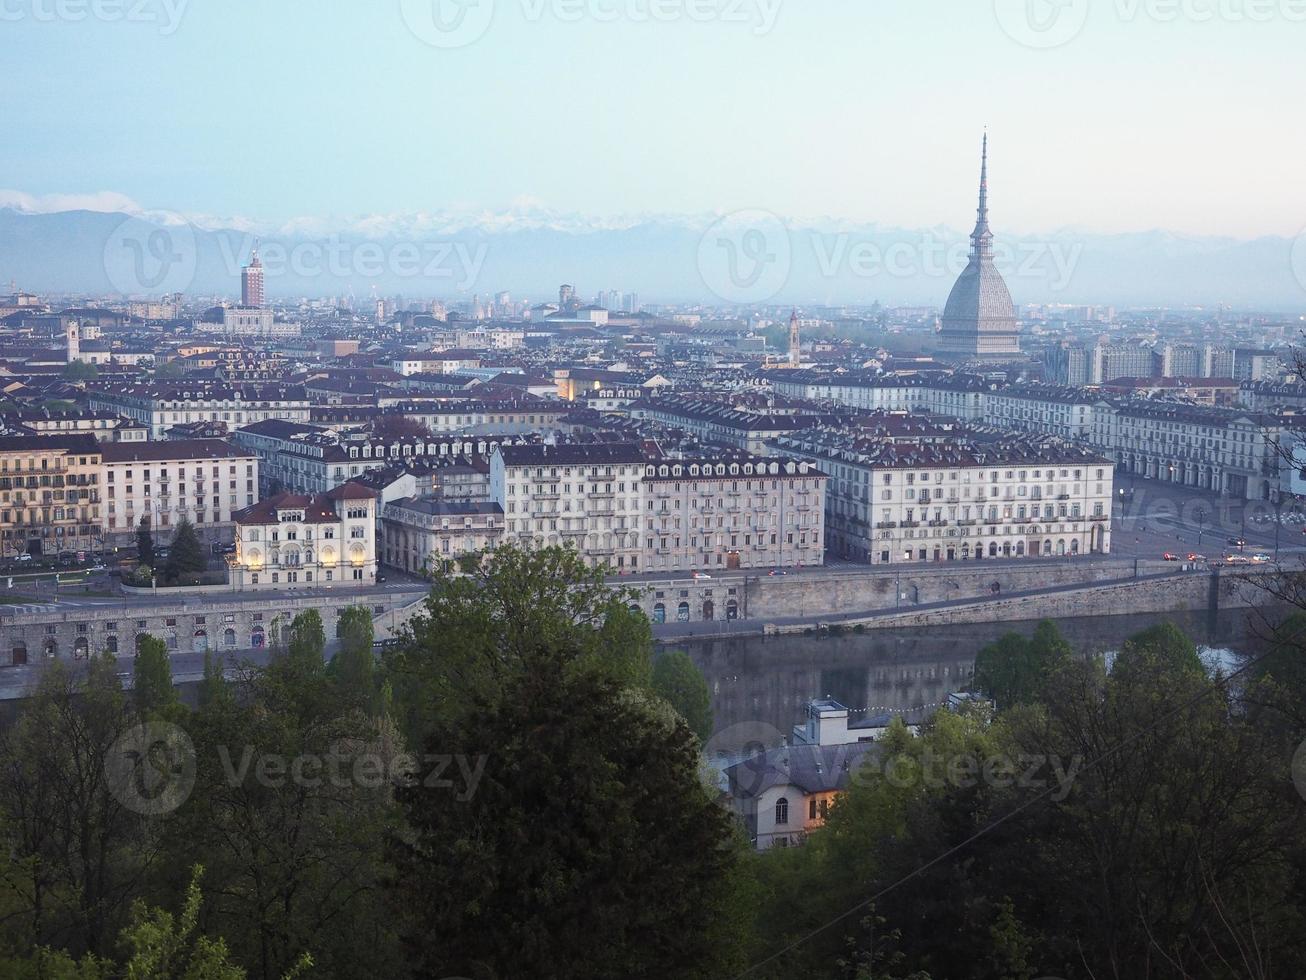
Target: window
[[782, 811]]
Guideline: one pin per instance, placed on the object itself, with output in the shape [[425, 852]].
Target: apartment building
[[421, 534], [732, 512], [584, 496], [161, 405], [1064, 412], [1226, 450], [890, 503], [306, 540], [204, 481], [50, 494], [724, 425], [961, 397], [304, 458]]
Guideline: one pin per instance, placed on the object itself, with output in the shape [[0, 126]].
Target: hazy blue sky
[[864, 109]]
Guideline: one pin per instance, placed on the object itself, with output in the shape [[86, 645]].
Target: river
[[760, 685]]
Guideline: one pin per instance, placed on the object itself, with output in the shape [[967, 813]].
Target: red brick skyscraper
[[251, 282]]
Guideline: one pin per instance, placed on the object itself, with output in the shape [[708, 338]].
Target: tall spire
[[981, 238]]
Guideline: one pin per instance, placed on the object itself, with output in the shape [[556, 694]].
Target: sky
[[1105, 115]]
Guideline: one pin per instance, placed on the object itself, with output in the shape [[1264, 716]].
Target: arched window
[[257, 639], [229, 637], [782, 811], [659, 613], [111, 644], [682, 612], [201, 640]]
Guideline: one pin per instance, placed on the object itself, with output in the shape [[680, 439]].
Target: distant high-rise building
[[632, 303], [566, 298], [251, 282], [979, 318], [795, 348]]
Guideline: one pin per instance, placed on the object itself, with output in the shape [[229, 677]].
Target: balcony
[[600, 494]]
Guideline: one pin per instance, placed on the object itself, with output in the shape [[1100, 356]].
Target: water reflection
[[908, 671]]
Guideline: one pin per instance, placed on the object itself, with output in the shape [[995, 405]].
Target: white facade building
[[309, 541]]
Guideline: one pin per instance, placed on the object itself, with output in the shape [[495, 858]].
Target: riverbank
[[1170, 590]]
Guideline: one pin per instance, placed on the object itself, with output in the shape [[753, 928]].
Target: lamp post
[[1277, 500], [1200, 514]]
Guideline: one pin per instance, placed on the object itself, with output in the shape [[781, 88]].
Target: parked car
[[24, 557], [699, 575], [1170, 557]]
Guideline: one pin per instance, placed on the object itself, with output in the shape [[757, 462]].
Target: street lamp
[[1200, 514], [1277, 500]]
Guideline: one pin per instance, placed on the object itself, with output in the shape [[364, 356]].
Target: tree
[[677, 681], [152, 688], [145, 543], [214, 689], [290, 810], [1162, 648], [396, 426], [307, 644], [480, 625], [353, 666], [186, 557], [158, 946], [169, 369], [578, 801], [1013, 670], [74, 851], [80, 371]]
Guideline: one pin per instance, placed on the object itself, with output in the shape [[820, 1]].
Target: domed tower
[[979, 318]]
